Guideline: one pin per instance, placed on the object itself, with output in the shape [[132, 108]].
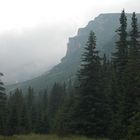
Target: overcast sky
[[34, 33]]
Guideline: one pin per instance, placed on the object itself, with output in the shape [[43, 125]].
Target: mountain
[[104, 27], [29, 52]]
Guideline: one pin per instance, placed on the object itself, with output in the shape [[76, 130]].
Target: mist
[[34, 33], [28, 54]]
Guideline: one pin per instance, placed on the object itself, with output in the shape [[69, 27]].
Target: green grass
[[45, 137]]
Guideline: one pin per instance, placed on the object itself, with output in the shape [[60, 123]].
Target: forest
[[102, 102]]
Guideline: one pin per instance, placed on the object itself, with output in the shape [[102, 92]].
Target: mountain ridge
[[104, 27]]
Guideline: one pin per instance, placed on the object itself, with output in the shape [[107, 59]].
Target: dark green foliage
[[67, 68], [32, 110], [121, 55], [120, 59], [63, 124], [126, 83], [16, 116], [134, 128], [132, 100], [133, 69], [56, 100], [42, 113], [106, 83], [2, 106], [90, 108], [104, 100], [63, 120], [27, 114]]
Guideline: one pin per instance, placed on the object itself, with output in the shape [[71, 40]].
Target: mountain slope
[[104, 27]]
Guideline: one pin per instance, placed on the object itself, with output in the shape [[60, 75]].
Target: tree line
[[104, 100]]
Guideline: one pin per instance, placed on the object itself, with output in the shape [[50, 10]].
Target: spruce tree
[[15, 113], [24, 121], [90, 109], [63, 119], [106, 79], [56, 100], [120, 59], [134, 65], [42, 113], [3, 100], [32, 111], [132, 106], [134, 128], [45, 116]]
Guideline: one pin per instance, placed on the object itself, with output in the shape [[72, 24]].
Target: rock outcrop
[[104, 27]]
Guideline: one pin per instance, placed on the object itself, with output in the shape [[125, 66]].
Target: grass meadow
[[45, 137]]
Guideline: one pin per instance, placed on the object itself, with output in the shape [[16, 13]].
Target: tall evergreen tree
[[134, 60], [90, 108], [56, 100], [106, 89], [32, 111], [2, 106], [42, 113], [63, 119], [133, 77], [24, 121], [120, 59], [15, 114]]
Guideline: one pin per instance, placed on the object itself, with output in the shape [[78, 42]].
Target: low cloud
[[27, 54]]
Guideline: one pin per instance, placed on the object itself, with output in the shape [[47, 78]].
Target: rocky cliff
[[104, 27]]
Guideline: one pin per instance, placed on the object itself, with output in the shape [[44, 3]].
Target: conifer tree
[[15, 114], [3, 100], [120, 59], [89, 110], [24, 121], [133, 68], [63, 119], [32, 111], [132, 106], [134, 128], [45, 115], [56, 100], [42, 113], [106, 89]]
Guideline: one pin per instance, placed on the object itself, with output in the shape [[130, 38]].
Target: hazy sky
[[20, 14], [34, 33]]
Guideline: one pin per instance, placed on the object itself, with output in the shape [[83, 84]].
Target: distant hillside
[[104, 27]]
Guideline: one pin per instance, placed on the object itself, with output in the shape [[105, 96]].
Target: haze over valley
[[33, 41], [70, 70]]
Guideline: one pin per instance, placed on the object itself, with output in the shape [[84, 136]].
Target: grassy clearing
[[45, 137]]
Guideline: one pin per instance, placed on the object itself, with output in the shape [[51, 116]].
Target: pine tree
[[133, 91], [63, 119], [106, 78], [15, 114], [134, 128], [45, 116], [42, 113], [24, 123], [32, 111], [56, 100], [120, 59], [132, 106], [3, 101], [90, 109]]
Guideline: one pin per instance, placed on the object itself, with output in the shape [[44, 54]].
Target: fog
[[28, 54], [34, 33]]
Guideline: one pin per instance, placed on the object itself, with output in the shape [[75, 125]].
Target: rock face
[[104, 27]]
